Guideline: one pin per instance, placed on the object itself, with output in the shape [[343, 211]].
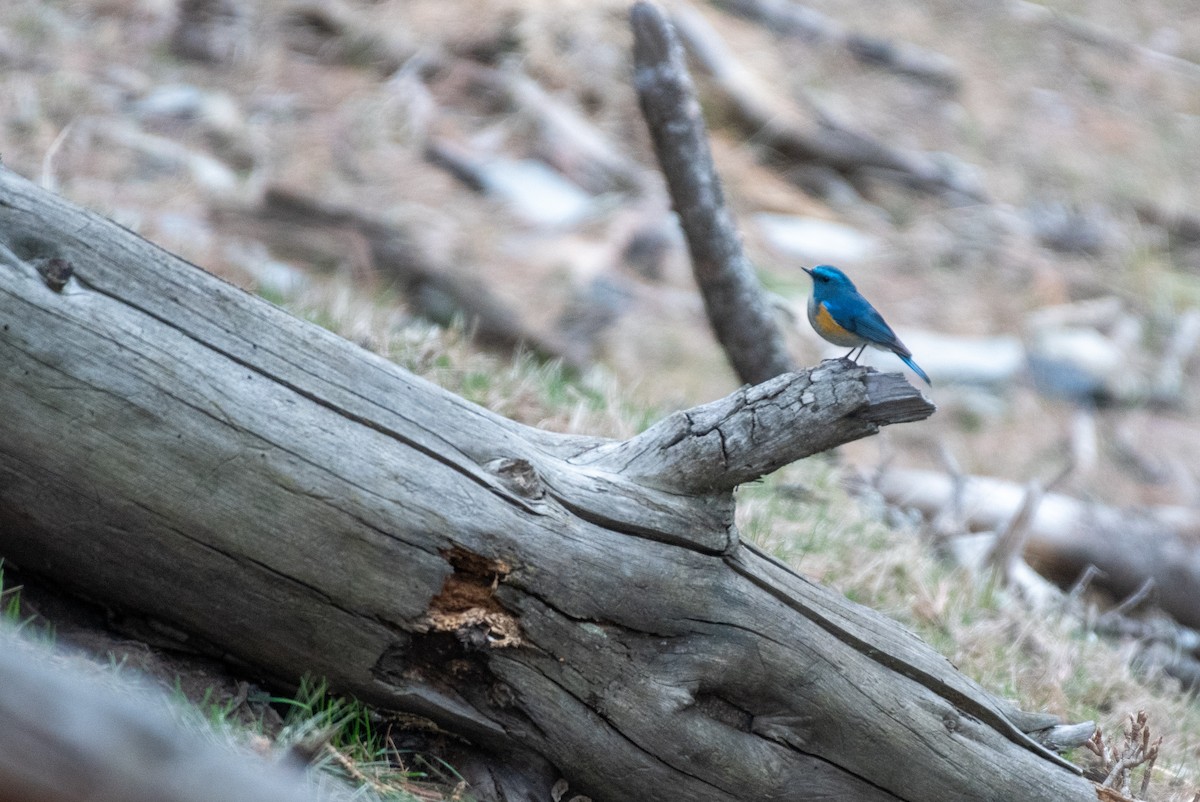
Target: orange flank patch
[[828, 328]]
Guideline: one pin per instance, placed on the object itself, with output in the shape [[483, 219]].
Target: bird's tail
[[908, 360]]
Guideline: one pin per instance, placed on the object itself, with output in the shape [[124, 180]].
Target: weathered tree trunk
[[177, 447]]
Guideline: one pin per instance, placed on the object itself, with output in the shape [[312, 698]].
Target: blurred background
[[1031, 228], [1013, 184]]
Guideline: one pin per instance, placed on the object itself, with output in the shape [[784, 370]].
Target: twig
[[1134, 599], [1167, 386], [737, 308], [951, 519], [1081, 584], [354, 771], [1011, 542], [48, 181], [1081, 451]]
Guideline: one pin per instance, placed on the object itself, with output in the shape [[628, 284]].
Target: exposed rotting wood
[[264, 486]]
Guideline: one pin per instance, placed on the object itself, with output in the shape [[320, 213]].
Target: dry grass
[[1044, 662]]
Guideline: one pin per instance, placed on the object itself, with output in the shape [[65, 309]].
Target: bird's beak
[[806, 270]]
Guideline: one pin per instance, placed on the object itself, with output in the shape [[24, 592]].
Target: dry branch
[[1083, 31], [1010, 543], [779, 126], [736, 306], [276, 495], [1182, 227], [338, 33], [563, 136], [761, 428], [309, 226], [788, 18]]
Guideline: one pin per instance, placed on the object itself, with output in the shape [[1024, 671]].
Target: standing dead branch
[[736, 307]]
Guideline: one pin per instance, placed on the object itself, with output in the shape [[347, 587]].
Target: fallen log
[[74, 735], [1065, 535], [565, 605]]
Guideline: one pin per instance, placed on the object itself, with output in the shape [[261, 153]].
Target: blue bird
[[841, 315]]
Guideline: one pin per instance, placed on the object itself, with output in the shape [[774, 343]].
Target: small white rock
[[813, 240]]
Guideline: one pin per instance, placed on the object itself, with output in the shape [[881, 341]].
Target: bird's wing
[[857, 315]]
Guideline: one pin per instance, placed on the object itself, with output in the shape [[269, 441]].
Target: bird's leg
[[860, 349]]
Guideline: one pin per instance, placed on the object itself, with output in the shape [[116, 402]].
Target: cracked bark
[[569, 606]]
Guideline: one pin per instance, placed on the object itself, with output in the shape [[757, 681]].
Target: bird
[[840, 314]]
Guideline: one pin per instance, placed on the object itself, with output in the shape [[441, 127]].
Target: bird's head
[[828, 277]]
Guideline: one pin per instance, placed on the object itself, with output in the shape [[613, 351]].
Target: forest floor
[[1076, 121]]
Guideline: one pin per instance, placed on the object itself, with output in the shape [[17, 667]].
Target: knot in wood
[[55, 271], [519, 476]]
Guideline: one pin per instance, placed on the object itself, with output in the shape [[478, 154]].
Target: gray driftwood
[[175, 447], [73, 733], [1065, 535]]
